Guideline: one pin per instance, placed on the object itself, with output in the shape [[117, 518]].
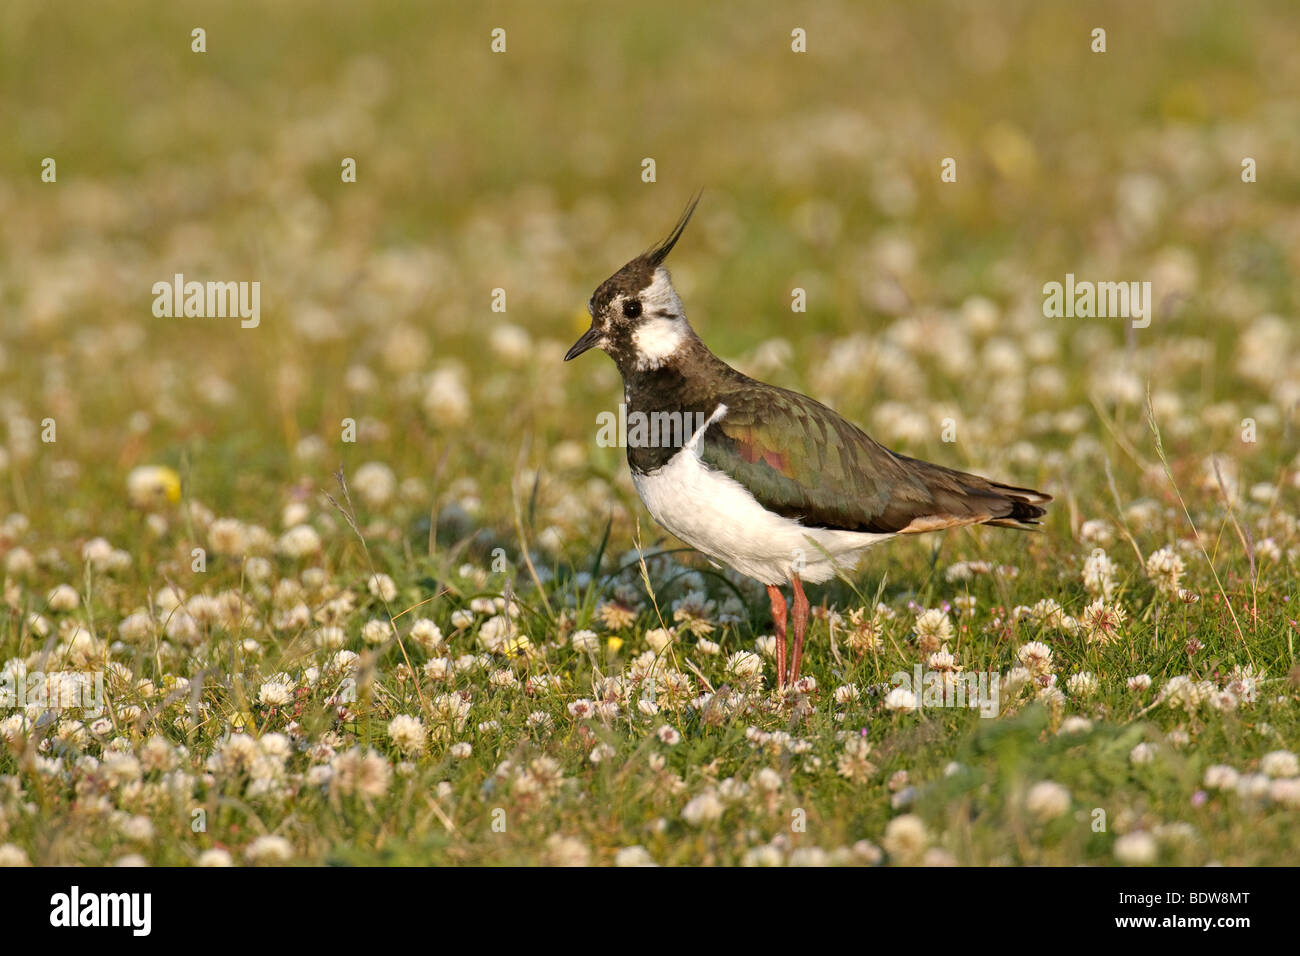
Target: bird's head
[[636, 316]]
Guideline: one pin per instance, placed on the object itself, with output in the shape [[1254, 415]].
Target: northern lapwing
[[767, 481]]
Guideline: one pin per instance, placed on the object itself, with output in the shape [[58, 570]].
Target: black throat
[[668, 404]]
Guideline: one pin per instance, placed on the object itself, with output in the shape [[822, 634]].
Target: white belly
[[715, 514]]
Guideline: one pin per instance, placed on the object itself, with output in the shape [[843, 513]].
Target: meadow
[[360, 585]]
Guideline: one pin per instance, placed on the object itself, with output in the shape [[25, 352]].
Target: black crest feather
[[659, 252]]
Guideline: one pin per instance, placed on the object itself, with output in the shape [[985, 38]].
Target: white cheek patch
[[663, 329], [656, 340]]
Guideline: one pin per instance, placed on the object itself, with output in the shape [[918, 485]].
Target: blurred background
[[522, 171]]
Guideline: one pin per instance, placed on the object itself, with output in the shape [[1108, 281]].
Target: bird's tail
[[1024, 504], [952, 498]]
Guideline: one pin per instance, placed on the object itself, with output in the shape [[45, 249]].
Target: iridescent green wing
[[801, 460]]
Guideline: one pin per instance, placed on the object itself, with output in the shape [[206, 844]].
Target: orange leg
[[800, 626], [778, 623]]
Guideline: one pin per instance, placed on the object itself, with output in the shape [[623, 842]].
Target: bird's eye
[[632, 308]]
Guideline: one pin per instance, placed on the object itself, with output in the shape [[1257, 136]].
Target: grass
[[525, 598]]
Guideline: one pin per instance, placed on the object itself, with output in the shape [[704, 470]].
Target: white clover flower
[[269, 848], [582, 708], [1279, 763], [1096, 531], [766, 855], [703, 809], [345, 662], [745, 664], [1182, 691], [668, 735], [408, 734], [933, 628], [1221, 777], [1098, 575], [98, 553], [330, 638], [295, 513], [1139, 682], [382, 587], [496, 634], [585, 642], [511, 343], [1036, 656], [427, 634], [375, 632], [809, 856], [1243, 682], [905, 838], [1165, 569], [64, 597], [375, 482], [847, 693], [438, 668], [446, 401], [942, 660], [900, 698], [228, 536], [1143, 753], [137, 828], [1223, 700], [1047, 800], [276, 745], [275, 693], [258, 569], [1136, 849], [20, 563], [564, 850], [299, 541], [1253, 786], [633, 856], [215, 857], [1285, 792], [362, 772], [13, 727], [1082, 684], [120, 768], [606, 710], [1074, 724], [1050, 695], [1015, 681], [1102, 622]]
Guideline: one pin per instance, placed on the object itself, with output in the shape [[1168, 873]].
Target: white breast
[[715, 514]]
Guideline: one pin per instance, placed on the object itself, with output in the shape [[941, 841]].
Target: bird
[[762, 479]]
